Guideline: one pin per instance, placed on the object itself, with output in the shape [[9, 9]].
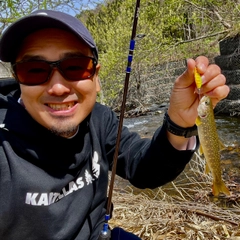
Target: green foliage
[[10, 10], [175, 29]]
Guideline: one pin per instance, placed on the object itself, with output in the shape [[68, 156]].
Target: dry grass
[[183, 209]]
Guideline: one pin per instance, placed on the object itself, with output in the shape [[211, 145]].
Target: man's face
[[59, 105]]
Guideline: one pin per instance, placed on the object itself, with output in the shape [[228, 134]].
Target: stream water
[[228, 127]]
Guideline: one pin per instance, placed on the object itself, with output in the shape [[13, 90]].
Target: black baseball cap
[[13, 36]]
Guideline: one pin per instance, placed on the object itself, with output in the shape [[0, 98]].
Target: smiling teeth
[[60, 107]]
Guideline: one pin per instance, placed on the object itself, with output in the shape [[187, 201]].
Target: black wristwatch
[[177, 130]]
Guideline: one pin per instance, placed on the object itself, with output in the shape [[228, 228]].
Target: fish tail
[[220, 187]]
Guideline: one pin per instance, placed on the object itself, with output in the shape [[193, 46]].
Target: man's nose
[[58, 85]]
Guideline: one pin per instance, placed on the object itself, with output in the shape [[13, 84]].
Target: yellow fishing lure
[[198, 79]]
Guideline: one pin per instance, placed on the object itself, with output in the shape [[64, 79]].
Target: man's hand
[[184, 98]]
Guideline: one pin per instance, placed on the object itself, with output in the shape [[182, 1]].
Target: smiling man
[[57, 143], [59, 105]]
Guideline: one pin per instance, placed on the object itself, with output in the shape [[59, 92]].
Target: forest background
[[173, 30]]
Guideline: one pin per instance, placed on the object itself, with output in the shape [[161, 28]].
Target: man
[[57, 144]]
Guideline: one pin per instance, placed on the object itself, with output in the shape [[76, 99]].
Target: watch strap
[[177, 130]]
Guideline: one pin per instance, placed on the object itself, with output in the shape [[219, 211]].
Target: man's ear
[[98, 83]]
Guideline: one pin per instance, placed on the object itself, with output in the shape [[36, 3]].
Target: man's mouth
[[62, 106]]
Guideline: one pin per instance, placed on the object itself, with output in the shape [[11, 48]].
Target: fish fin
[[207, 169], [221, 145], [220, 188], [200, 151], [198, 121]]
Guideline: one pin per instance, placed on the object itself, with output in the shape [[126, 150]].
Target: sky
[[83, 4]]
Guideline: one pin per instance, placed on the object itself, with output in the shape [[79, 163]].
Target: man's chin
[[66, 132]]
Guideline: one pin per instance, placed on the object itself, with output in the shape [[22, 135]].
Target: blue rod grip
[[107, 217], [105, 227], [130, 58], [128, 70], [132, 45]]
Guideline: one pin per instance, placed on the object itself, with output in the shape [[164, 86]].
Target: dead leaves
[[180, 210]]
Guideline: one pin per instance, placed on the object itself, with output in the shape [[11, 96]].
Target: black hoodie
[[56, 188]]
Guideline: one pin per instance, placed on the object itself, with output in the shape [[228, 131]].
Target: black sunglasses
[[36, 72]]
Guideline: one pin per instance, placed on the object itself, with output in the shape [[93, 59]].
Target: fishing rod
[[106, 233]]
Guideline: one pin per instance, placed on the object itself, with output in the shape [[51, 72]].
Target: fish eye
[[207, 102]]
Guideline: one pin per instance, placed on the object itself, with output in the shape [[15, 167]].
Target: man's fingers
[[202, 64], [186, 79], [219, 93], [213, 71]]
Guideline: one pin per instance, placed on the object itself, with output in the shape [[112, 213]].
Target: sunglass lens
[[32, 72], [77, 68]]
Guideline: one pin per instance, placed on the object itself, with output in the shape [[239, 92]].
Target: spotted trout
[[209, 144]]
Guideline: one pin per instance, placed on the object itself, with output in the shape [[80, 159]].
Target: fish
[[210, 144]]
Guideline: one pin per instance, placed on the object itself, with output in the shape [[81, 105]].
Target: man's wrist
[[177, 130]]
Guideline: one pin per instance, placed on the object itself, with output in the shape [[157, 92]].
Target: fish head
[[204, 107]]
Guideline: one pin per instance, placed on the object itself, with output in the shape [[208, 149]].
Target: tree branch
[[216, 218], [202, 37], [224, 23], [213, 9]]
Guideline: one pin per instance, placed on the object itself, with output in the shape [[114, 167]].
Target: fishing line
[[106, 233]]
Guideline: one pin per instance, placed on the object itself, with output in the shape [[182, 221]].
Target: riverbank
[[183, 209]]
